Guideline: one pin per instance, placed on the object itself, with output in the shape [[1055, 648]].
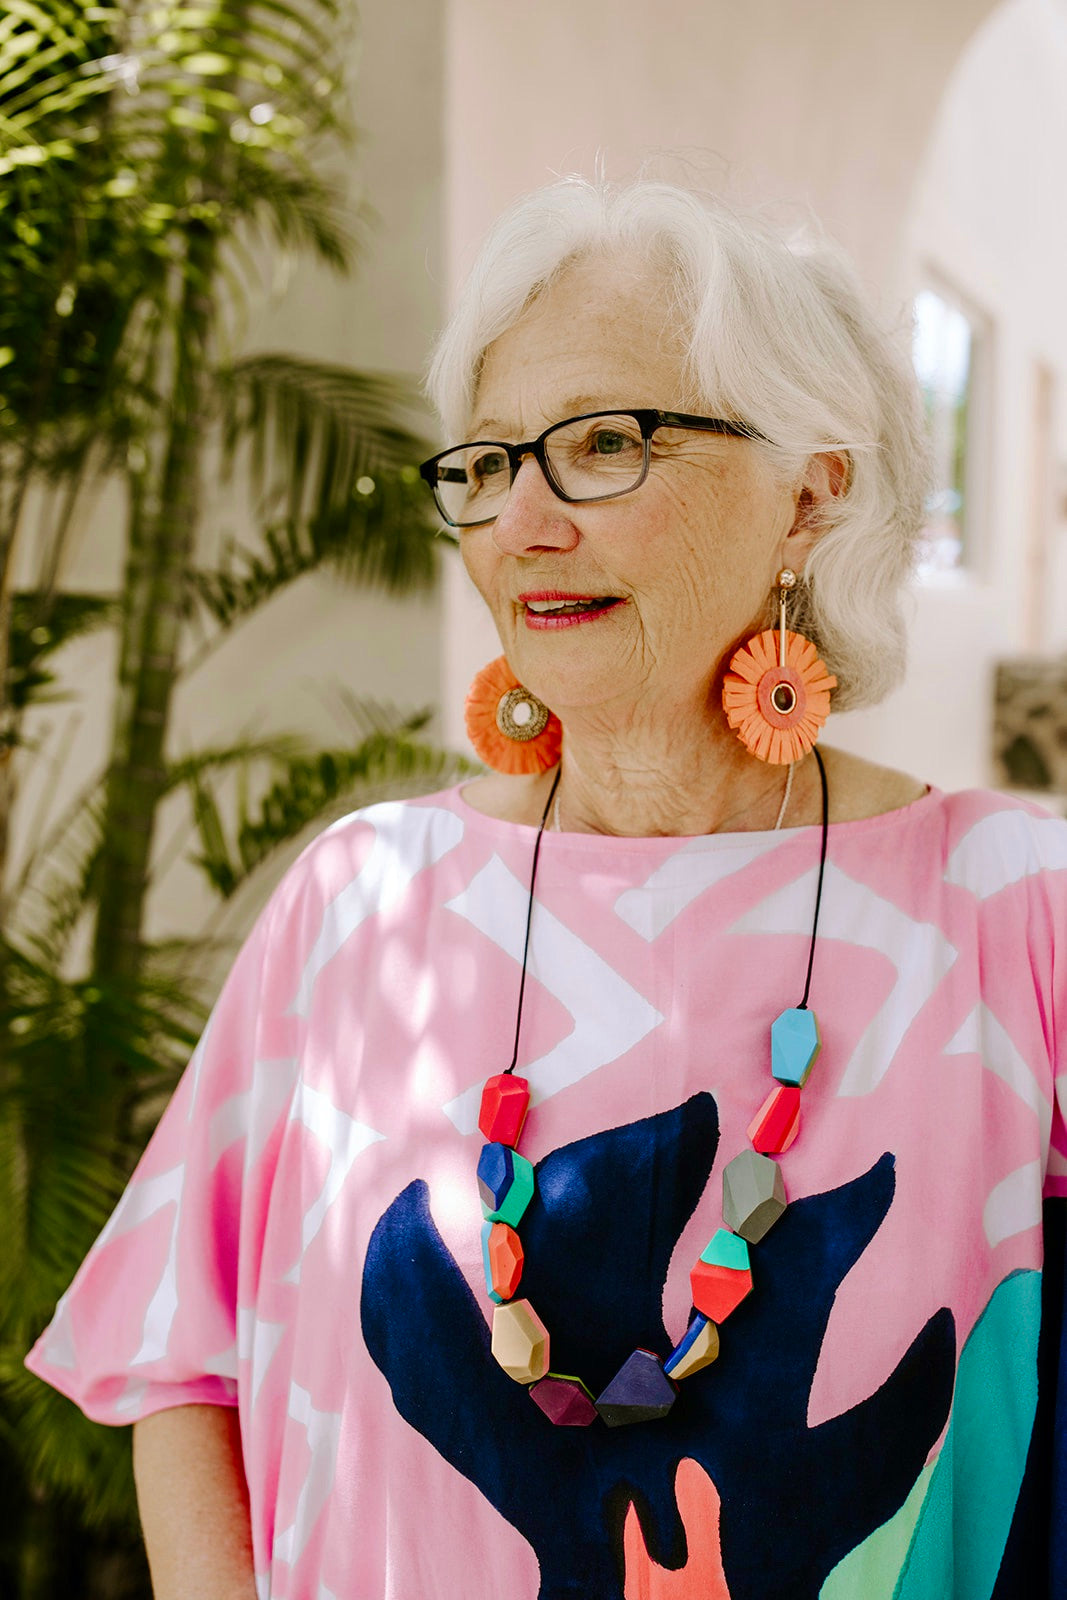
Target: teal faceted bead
[[794, 1045], [726, 1249]]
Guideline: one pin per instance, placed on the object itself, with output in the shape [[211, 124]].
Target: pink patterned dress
[[887, 1417]]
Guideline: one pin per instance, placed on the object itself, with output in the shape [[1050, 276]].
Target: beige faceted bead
[[701, 1352], [520, 1341]]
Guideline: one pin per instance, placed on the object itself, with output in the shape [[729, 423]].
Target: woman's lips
[[554, 609]]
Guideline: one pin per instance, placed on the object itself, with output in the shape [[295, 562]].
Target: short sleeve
[[150, 1320]]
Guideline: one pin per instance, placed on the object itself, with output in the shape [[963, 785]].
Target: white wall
[[987, 215]]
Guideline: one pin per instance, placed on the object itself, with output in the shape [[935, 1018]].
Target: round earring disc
[[520, 715]]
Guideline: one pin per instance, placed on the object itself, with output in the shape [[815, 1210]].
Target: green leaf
[[313, 788], [205, 64]]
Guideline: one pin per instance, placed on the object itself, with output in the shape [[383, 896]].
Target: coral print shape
[[609, 1512]]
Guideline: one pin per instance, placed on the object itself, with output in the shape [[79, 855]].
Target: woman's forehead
[[599, 336]]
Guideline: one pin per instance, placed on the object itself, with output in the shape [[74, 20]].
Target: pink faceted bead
[[777, 1122], [505, 1099]]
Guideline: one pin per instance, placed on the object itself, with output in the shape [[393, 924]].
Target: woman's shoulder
[[860, 788]]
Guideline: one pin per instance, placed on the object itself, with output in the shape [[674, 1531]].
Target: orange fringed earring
[[510, 728], [776, 694]]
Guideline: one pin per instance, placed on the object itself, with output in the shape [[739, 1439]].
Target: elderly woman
[[749, 1304]]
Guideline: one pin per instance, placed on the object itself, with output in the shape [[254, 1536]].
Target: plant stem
[[162, 527]]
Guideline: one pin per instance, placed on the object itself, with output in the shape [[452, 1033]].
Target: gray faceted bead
[[753, 1195]]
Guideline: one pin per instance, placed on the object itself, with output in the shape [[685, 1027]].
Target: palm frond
[[42, 624], [382, 538], [57, 881], [240, 754], [313, 426], [310, 790], [58, 1447]]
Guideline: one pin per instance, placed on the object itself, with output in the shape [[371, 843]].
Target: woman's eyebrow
[[574, 406]]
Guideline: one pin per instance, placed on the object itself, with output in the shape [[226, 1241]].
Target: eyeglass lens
[[590, 459]]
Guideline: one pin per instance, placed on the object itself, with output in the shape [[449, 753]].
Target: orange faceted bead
[[505, 1099], [777, 1122], [502, 1256]]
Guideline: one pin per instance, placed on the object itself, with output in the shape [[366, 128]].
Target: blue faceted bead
[[506, 1183], [794, 1045], [639, 1392], [495, 1173]]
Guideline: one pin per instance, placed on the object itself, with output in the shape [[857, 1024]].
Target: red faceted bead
[[718, 1290], [504, 1102], [777, 1122]]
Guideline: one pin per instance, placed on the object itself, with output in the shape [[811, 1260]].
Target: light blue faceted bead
[[794, 1045]]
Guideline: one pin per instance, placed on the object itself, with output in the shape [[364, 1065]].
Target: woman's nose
[[533, 518]]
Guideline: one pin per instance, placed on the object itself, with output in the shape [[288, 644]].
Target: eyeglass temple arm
[[683, 419]]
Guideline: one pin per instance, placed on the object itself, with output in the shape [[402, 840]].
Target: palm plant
[[149, 156]]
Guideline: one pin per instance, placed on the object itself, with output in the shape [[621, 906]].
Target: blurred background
[[228, 235]]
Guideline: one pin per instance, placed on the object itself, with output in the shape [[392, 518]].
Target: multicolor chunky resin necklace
[[645, 1387]]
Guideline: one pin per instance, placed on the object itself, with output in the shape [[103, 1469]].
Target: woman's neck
[[671, 785]]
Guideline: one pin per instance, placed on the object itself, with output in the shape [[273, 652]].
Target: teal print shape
[[962, 1524]]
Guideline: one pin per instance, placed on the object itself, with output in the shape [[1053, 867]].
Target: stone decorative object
[[505, 1101], [1030, 727], [777, 1122], [722, 1277], [794, 1045], [753, 1195], [696, 1350], [520, 1341], [502, 1257], [505, 1182], [639, 1392], [565, 1401]]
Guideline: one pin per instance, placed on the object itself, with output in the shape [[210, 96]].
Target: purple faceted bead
[[565, 1401]]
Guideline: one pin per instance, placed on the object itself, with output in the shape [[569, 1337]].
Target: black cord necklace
[[645, 1387]]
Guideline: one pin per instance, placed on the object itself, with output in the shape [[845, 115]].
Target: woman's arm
[[193, 1498]]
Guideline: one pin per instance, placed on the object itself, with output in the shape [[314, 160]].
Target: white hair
[[776, 334]]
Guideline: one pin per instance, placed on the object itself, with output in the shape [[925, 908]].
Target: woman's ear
[[826, 477]]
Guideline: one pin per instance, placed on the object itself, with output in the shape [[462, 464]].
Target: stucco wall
[[986, 216]]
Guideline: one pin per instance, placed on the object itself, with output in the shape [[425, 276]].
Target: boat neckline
[[747, 839]]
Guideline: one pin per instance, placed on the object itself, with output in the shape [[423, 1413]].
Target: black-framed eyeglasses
[[597, 456]]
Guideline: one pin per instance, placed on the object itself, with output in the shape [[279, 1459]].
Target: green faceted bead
[[794, 1045], [725, 1249], [518, 1195]]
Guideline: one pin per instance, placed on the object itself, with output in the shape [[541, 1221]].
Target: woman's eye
[[487, 466], [609, 442]]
